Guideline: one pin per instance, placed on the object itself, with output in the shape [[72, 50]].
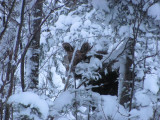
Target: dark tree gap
[[107, 84]]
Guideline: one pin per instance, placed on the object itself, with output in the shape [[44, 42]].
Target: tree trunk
[[128, 77], [35, 45], [19, 43]]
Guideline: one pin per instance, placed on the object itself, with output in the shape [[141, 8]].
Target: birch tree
[[34, 49]]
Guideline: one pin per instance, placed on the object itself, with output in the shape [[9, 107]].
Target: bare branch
[[8, 17], [149, 56], [19, 30]]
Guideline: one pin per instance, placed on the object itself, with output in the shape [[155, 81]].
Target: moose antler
[[68, 47], [79, 56], [85, 48]]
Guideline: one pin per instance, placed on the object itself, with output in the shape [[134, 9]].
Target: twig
[[47, 59], [6, 22], [146, 58], [121, 113], [113, 50]]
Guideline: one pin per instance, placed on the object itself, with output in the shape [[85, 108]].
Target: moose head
[[107, 84], [80, 55]]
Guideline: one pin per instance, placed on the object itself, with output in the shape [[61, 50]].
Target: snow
[[95, 63], [154, 11], [112, 109], [101, 4], [140, 74], [87, 23], [63, 100], [75, 26], [98, 47], [82, 109], [66, 117], [59, 24], [131, 9], [108, 30], [124, 30], [84, 33], [63, 118], [89, 68], [89, 14], [1, 83], [142, 98], [32, 99], [151, 83], [145, 113], [64, 20], [57, 80], [136, 1], [66, 38], [31, 4], [121, 71]]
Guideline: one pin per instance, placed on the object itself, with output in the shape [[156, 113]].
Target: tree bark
[[35, 44], [5, 26], [128, 74], [18, 43]]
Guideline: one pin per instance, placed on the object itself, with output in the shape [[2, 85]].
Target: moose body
[[106, 84]]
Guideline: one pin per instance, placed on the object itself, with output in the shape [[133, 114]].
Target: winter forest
[[79, 60]]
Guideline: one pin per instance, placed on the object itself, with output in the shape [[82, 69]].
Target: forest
[[79, 60]]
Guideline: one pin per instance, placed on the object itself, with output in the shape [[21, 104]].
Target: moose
[[107, 84]]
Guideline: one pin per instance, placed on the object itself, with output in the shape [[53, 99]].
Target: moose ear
[[85, 47], [67, 47]]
